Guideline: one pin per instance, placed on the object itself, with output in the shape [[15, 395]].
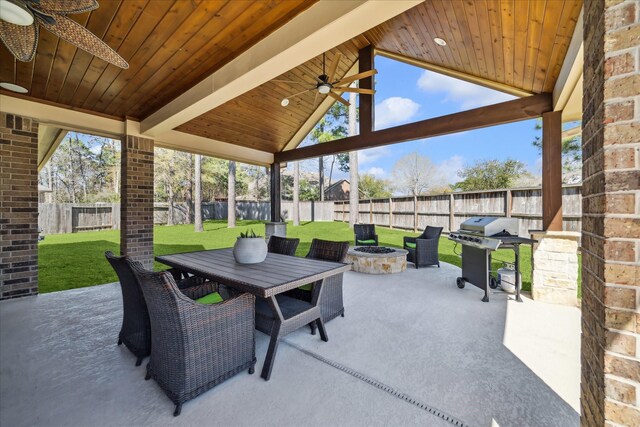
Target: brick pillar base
[[555, 267], [136, 207], [610, 386], [18, 206]]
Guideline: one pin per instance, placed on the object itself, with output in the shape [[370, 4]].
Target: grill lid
[[490, 226]]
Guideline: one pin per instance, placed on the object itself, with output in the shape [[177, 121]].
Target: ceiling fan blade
[[66, 7], [355, 90], [79, 36], [355, 77], [300, 93], [334, 66], [338, 98], [22, 41], [315, 100]]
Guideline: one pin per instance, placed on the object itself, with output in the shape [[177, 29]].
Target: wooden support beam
[[275, 192], [506, 112], [366, 102], [552, 171]]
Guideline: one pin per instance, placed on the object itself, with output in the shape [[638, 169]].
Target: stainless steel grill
[[479, 236]]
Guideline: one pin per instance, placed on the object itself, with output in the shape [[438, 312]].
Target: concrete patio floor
[[412, 350]]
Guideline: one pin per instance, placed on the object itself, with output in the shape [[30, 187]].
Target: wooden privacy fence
[[450, 210], [56, 218]]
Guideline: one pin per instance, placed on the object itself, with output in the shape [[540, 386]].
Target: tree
[[296, 193], [414, 174], [231, 198], [332, 126], [308, 191], [354, 180], [490, 175], [373, 188], [198, 202], [571, 155]]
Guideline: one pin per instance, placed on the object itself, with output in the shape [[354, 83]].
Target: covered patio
[[408, 352], [209, 78]]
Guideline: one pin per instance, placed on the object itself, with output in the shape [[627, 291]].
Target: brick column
[[136, 207], [18, 206], [610, 386]]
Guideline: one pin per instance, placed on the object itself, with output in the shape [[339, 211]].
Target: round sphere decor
[[249, 248]]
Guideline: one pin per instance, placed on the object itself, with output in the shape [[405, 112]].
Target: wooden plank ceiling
[[170, 45], [520, 43]]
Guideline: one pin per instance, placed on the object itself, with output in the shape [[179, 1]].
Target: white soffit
[[571, 72], [323, 26]]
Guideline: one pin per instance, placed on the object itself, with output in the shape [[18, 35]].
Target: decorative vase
[[250, 250]]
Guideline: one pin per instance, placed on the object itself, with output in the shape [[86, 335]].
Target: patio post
[[275, 227], [136, 199], [610, 384], [18, 206]]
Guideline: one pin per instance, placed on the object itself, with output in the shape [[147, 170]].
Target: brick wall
[[18, 206], [610, 386], [136, 209]]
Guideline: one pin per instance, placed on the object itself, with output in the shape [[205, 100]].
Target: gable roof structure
[[203, 75]]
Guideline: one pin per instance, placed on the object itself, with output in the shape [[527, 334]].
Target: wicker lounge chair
[[331, 301], [282, 245], [135, 332], [365, 235], [194, 346], [423, 250]]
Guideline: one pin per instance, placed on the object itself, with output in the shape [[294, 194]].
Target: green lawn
[[68, 261]]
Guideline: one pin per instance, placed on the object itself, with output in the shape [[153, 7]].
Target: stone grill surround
[[18, 206]]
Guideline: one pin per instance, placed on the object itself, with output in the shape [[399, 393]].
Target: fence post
[[390, 213], [508, 203], [370, 211], [452, 214], [415, 214]]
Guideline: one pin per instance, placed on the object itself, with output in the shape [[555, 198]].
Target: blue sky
[[405, 94]]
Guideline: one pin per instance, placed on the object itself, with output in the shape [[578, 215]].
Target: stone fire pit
[[377, 263]]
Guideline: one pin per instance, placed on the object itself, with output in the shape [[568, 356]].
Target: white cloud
[[394, 111], [375, 171], [448, 169], [467, 95], [372, 154]]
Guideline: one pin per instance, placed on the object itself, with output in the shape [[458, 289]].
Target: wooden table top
[[276, 274]]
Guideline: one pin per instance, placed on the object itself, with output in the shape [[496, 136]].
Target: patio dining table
[[268, 281]]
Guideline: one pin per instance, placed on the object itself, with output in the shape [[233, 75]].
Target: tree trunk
[[170, 208], [353, 166], [321, 177], [189, 198], [231, 196], [296, 193], [198, 201]]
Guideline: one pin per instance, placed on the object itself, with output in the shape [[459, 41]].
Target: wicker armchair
[[282, 245], [135, 332], [331, 301], [423, 250], [365, 235], [194, 346]]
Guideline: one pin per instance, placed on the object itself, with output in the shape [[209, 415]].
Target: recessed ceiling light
[[15, 13], [439, 41], [13, 88], [284, 102]]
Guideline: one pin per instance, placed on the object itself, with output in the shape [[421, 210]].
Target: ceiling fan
[[20, 21], [325, 84]]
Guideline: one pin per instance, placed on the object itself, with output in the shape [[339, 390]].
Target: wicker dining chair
[[423, 250], [365, 235], [331, 301], [135, 332], [282, 245], [194, 346]]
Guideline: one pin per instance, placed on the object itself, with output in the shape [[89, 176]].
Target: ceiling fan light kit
[[325, 84], [13, 88], [22, 38], [15, 13]]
